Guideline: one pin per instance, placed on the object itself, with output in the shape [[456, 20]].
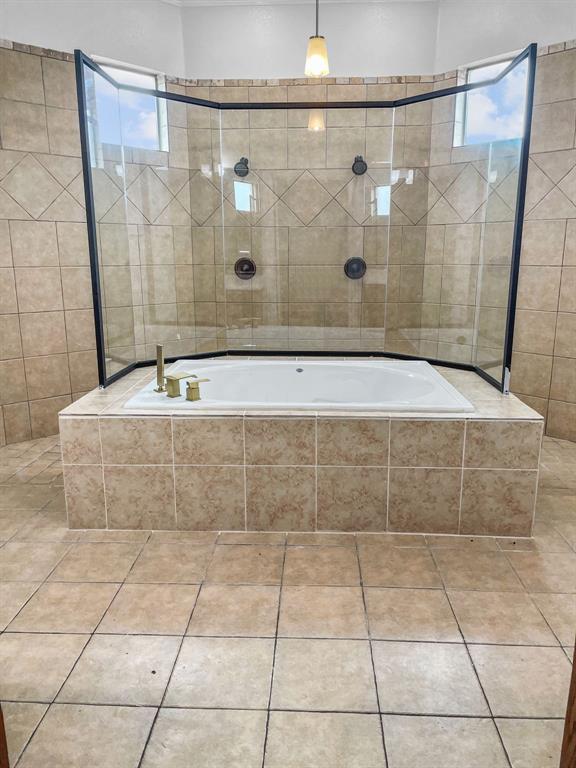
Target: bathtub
[[350, 385]]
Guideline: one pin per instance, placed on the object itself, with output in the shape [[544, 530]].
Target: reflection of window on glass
[[380, 203], [133, 119], [493, 113], [244, 197]]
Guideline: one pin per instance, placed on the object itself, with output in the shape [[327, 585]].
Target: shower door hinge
[[506, 383]]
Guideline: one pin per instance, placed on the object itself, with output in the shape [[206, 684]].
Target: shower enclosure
[[380, 228]]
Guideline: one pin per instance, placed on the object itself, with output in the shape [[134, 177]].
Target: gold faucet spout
[[160, 385]]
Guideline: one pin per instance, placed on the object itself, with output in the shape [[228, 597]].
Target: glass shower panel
[[413, 298], [299, 212], [147, 168], [499, 147], [206, 307], [116, 237], [157, 209], [454, 199]]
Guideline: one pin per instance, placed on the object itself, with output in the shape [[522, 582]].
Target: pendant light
[[317, 53], [316, 120]]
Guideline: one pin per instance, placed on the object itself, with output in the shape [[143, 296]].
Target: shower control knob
[[359, 166], [355, 268], [245, 268], [241, 168]]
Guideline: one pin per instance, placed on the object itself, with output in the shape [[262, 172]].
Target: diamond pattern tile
[[508, 188], [124, 212], [306, 198], [174, 214], [106, 192], [467, 193], [333, 216], [64, 208], [64, 169], [9, 208], [173, 178], [537, 187], [556, 164], [568, 185], [443, 213], [355, 198], [9, 158], [31, 186], [417, 196], [149, 194], [554, 206], [279, 181], [333, 180], [279, 216], [442, 176], [204, 198]]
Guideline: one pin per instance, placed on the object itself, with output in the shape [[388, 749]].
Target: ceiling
[[192, 3]]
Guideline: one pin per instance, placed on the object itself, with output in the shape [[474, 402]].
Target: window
[[129, 118], [381, 197], [244, 197], [493, 113]]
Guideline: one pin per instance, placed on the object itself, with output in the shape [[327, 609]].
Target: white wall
[[144, 32], [469, 30], [269, 41], [223, 39]]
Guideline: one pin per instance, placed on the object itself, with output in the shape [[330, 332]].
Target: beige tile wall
[[47, 339], [47, 344], [544, 362]]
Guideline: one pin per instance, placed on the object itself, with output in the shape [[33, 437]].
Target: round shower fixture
[[241, 168], [355, 268], [245, 268], [359, 166]]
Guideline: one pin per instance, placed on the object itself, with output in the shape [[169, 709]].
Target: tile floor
[[126, 649]]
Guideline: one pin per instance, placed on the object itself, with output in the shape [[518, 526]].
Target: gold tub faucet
[[170, 383], [173, 383], [160, 386], [193, 388], [192, 385]]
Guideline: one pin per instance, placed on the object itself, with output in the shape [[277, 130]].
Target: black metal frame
[[529, 54]]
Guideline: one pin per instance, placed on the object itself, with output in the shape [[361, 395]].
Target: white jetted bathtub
[[363, 385]]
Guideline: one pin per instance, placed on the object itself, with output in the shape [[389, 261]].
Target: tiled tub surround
[[275, 471]]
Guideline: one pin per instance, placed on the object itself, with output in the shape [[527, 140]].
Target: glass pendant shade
[[316, 120], [316, 57]]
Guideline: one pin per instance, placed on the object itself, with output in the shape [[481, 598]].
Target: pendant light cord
[[317, 12]]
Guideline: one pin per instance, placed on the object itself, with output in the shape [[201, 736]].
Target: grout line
[[173, 472], [370, 645], [311, 638], [169, 679], [471, 660], [296, 466], [537, 489], [388, 477], [462, 466], [531, 598], [315, 473], [99, 428], [274, 657], [245, 474], [367, 713]]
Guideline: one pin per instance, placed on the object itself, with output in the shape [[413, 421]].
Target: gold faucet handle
[[193, 388], [179, 376]]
